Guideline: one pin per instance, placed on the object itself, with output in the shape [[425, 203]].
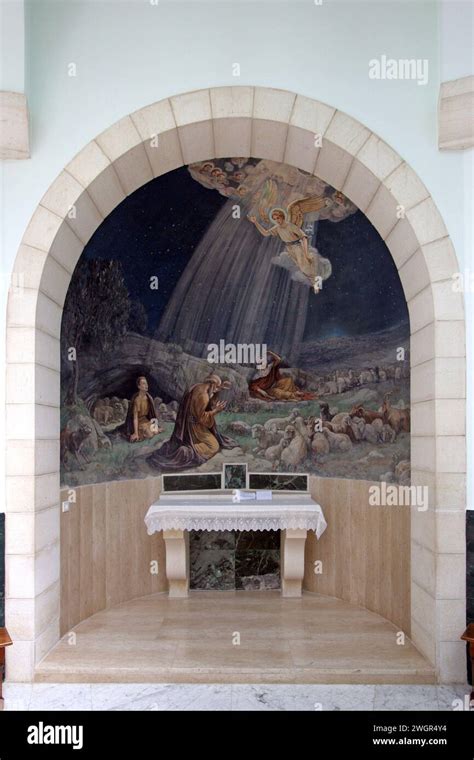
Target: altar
[[293, 514]]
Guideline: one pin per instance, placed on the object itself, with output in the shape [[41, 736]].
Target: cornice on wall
[[456, 114], [14, 126]]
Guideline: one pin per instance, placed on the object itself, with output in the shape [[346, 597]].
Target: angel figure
[[287, 225]]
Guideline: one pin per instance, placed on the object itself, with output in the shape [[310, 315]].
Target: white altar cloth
[[216, 511]]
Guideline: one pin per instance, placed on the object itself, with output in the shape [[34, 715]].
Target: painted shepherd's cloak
[[128, 429], [195, 438]]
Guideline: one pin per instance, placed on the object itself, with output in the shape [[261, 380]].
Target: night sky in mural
[[165, 218], [161, 220]]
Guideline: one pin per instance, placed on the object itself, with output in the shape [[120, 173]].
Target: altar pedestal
[[177, 562], [291, 513], [292, 561]]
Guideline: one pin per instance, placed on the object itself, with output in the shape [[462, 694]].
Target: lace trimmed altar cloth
[[216, 511]]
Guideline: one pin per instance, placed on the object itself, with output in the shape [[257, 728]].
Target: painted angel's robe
[[195, 437], [311, 266]]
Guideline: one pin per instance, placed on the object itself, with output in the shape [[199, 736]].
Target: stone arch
[[315, 137]]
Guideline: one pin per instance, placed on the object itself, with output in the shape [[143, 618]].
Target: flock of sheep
[[340, 381], [290, 441], [113, 411]]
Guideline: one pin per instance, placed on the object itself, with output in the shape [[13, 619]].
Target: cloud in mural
[[246, 180], [284, 261]]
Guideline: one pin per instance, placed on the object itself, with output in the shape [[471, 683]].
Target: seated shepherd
[[141, 422]]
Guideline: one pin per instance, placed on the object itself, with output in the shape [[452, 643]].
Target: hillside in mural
[[235, 310]]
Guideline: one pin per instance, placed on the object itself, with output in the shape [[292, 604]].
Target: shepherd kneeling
[[195, 437]]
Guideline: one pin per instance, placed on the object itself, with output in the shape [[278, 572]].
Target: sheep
[[103, 412], [165, 412], [339, 420], [337, 441], [265, 437], [341, 423], [319, 444], [377, 424], [403, 472], [310, 429], [358, 427], [302, 429], [314, 426], [281, 422], [365, 377], [294, 454], [388, 434], [240, 428], [371, 434], [352, 378], [118, 411], [273, 453]]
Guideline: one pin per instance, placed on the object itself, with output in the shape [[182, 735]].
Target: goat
[[398, 419], [366, 414], [325, 413]]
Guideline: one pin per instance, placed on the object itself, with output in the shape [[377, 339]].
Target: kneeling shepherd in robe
[[195, 437]]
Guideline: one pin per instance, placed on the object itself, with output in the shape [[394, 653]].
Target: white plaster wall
[[456, 21], [456, 26], [12, 45], [130, 53]]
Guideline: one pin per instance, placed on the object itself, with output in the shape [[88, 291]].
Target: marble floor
[[307, 697], [236, 637]]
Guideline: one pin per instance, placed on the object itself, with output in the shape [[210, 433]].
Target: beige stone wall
[[365, 550], [105, 549]]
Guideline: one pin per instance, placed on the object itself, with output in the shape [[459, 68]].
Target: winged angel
[[288, 226]]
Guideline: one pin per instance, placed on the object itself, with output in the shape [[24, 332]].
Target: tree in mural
[[138, 318], [96, 314]]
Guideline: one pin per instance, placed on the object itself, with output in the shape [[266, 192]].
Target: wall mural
[[236, 310]]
